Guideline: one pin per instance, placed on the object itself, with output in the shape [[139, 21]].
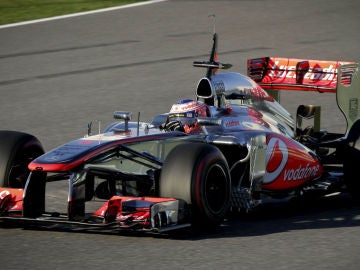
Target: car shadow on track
[[330, 212]]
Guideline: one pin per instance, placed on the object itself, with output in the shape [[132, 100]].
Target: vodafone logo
[[301, 173], [276, 158]]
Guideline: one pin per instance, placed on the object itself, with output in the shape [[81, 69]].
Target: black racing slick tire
[[198, 174], [351, 172], [352, 160], [17, 150]]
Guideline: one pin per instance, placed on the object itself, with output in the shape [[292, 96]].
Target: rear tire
[[17, 150], [198, 174], [352, 160], [351, 172]]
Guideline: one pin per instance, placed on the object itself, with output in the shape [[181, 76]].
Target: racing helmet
[[186, 111]]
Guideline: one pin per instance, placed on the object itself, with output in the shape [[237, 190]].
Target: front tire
[[198, 174], [17, 150]]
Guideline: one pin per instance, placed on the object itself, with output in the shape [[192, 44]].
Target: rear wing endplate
[[348, 93]]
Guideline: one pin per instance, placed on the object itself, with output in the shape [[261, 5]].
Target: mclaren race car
[[247, 150]]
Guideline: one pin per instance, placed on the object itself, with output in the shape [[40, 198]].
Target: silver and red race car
[[245, 151]]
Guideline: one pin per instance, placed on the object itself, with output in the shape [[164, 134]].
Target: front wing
[[118, 213]]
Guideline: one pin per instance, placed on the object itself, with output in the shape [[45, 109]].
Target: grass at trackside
[[12, 11]]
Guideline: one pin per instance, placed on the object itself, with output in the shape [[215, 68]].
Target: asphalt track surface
[[56, 76]]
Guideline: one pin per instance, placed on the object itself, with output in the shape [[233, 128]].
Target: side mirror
[[126, 116]]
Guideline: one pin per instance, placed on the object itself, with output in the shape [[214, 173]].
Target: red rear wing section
[[295, 74]]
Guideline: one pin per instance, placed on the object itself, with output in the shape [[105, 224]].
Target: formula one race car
[[247, 150]]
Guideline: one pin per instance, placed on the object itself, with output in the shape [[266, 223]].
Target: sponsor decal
[[258, 92], [86, 142], [301, 173], [232, 123], [276, 158], [353, 108], [314, 73], [219, 86]]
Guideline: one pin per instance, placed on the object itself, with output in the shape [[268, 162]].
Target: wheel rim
[[216, 193]]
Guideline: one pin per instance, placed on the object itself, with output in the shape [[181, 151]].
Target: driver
[[183, 114]]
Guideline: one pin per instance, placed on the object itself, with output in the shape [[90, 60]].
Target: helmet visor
[[184, 118]]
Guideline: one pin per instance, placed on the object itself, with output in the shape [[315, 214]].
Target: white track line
[[81, 13]]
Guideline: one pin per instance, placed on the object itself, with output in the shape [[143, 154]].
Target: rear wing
[[274, 73], [342, 78]]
